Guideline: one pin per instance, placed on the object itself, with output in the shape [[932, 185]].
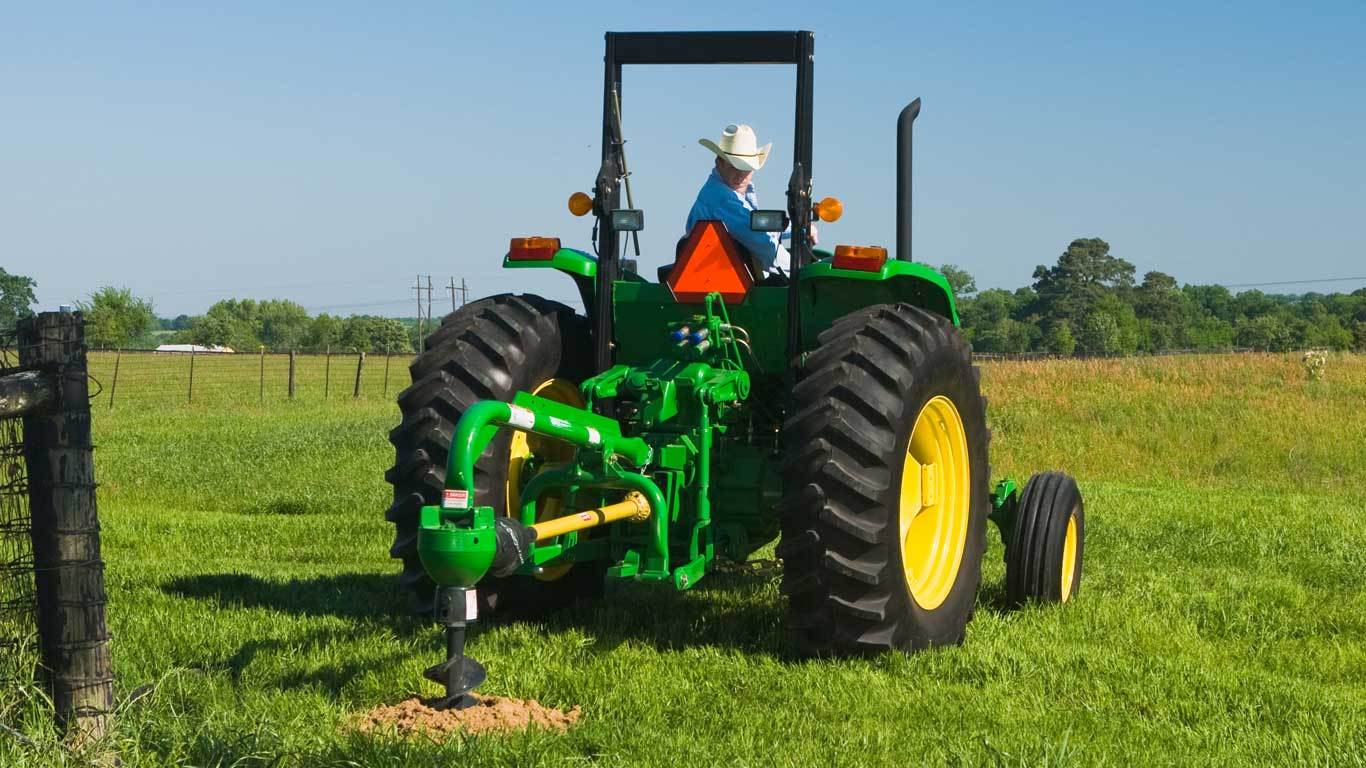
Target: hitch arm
[[538, 416]]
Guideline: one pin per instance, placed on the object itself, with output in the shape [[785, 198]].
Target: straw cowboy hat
[[739, 147]]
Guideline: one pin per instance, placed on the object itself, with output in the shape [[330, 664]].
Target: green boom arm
[[538, 416]]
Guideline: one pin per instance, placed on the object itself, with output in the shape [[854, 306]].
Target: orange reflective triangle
[[710, 261]]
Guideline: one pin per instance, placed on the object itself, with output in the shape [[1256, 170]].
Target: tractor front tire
[[1043, 561], [885, 486], [487, 350]]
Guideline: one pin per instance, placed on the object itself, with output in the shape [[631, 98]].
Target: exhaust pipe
[[903, 179]]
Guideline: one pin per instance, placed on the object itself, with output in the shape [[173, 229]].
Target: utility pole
[[417, 289], [429, 301], [462, 289]]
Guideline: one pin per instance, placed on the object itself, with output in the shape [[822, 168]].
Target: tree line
[[1088, 302]]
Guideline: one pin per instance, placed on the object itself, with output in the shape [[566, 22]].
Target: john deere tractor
[[699, 416]]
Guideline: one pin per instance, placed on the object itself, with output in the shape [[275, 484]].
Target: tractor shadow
[[736, 611], [741, 611], [368, 597]]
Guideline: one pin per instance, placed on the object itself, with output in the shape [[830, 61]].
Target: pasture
[[1221, 619]]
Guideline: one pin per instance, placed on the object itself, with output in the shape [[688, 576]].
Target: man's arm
[[764, 245]]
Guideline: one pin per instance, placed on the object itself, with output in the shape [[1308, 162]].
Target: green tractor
[[704, 414]]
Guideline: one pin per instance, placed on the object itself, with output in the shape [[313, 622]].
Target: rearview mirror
[[768, 221], [628, 220]]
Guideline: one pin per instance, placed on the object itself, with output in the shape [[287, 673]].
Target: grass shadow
[[738, 611], [371, 596]]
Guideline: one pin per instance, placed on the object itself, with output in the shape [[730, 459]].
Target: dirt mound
[[491, 714]]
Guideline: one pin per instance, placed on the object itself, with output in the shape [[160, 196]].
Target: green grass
[[1221, 621]]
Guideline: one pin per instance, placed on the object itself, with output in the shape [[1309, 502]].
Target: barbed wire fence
[[18, 603], [52, 597], [144, 377]]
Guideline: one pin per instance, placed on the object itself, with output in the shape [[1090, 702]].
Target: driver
[[728, 196]]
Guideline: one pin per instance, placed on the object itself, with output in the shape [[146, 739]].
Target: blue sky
[[328, 152]]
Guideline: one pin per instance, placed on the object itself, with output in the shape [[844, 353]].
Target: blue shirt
[[719, 202]]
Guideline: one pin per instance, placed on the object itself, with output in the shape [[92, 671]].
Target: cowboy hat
[[739, 147]]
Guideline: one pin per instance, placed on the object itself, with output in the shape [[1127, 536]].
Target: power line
[[1295, 282]]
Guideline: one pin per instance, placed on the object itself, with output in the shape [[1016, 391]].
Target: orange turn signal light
[[580, 203], [533, 248], [829, 209], [865, 258]]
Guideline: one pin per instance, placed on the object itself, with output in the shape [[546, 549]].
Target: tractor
[[697, 417]]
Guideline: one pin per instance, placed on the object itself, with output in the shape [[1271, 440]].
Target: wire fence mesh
[[138, 378], [18, 606]]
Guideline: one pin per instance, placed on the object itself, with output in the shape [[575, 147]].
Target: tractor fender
[[829, 293], [581, 268]]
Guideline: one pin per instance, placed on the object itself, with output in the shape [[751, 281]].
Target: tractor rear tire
[[887, 413], [487, 350], [1043, 561]]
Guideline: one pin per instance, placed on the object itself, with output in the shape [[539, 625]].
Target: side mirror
[[768, 221], [628, 220]]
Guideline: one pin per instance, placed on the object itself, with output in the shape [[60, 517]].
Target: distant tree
[[1208, 333], [1254, 303], [16, 296], [324, 332], [1085, 272], [1060, 340], [364, 333], [282, 325], [1324, 331], [962, 283], [1159, 299], [228, 323], [1099, 334], [114, 317], [1264, 332], [1214, 300], [180, 323]]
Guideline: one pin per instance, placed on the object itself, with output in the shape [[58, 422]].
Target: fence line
[[129, 378]]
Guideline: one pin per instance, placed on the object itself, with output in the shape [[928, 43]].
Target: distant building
[[197, 349]]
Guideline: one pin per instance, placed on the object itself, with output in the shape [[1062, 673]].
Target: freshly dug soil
[[491, 714]]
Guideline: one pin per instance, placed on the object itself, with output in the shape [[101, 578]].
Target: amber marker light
[[533, 248], [580, 203], [865, 258], [829, 209]]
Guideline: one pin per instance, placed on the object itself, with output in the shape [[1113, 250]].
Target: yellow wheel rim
[[1069, 557], [936, 488], [546, 450]]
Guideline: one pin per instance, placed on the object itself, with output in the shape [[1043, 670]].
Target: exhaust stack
[[904, 124]]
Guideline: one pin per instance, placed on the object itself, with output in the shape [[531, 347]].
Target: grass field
[[1221, 621]]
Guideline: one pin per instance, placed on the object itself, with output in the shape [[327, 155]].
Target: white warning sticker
[[586, 516], [521, 417], [561, 423], [594, 437], [455, 499], [471, 605]]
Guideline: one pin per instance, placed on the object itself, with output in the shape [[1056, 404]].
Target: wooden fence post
[[261, 396], [327, 374], [191, 397], [360, 365], [386, 370], [69, 574], [292, 355], [114, 385]]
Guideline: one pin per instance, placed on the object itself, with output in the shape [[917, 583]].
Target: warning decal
[[521, 417]]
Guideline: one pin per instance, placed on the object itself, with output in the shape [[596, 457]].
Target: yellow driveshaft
[[634, 507]]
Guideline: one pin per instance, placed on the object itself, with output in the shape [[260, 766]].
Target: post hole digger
[[543, 451]]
